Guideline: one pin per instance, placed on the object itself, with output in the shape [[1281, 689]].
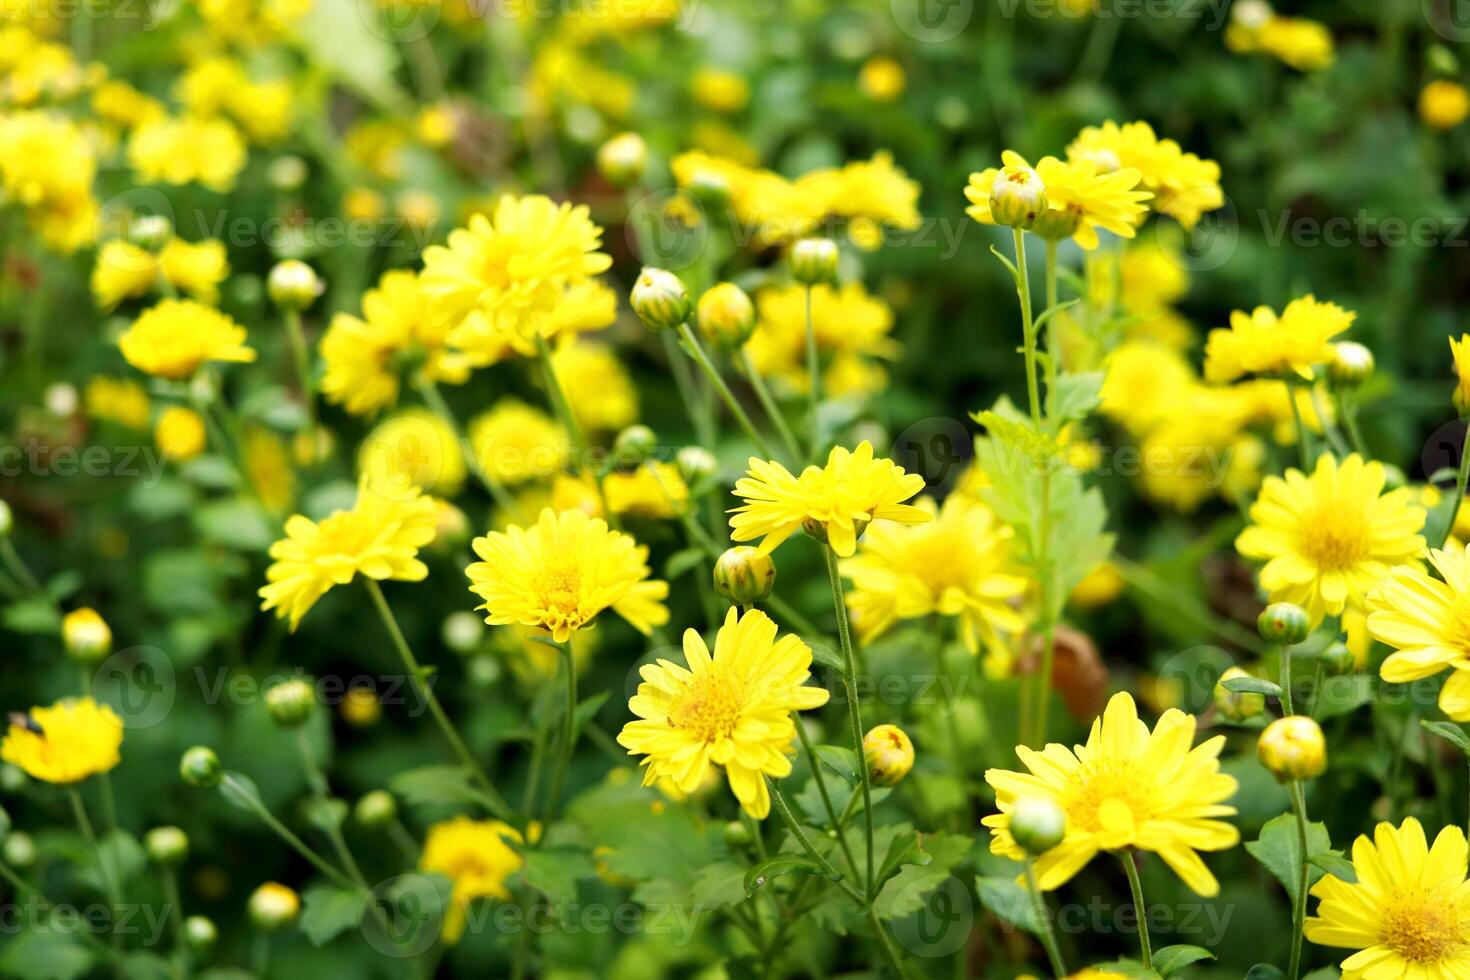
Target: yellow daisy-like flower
[[1408, 913], [1427, 621], [188, 150], [73, 739], [836, 502], [515, 442], [853, 331], [1127, 787], [731, 709], [1080, 198], [506, 273], [413, 449], [561, 572], [1330, 538], [378, 538], [196, 268], [1460, 351], [1305, 45], [956, 565], [654, 490], [117, 400], [477, 857], [398, 328], [180, 433], [1185, 186], [124, 270], [1260, 342], [602, 395], [174, 338]]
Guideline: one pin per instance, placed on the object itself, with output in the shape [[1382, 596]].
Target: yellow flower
[[836, 502], [413, 449], [1444, 104], [174, 338], [477, 858], [117, 400], [654, 490], [268, 467], [47, 166], [1099, 587], [1460, 351], [398, 330], [602, 395], [1080, 198], [881, 78], [122, 270], [868, 192], [73, 739], [1427, 622], [378, 538], [186, 151], [731, 709], [514, 442], [1125, 788], [1305, 45], [1144, 385], [219, 84], [507, 273], [195, 268], [1185, 186], [956, 565], [1408, 912], [180, 433], [719, 90], [1259, 342], [1330, 538], [853, 336], [563, 571]]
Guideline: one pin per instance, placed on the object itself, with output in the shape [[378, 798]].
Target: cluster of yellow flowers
[[1305, 45]]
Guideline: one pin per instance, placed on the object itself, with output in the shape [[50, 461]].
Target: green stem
[[1048, 937], [854, 712], [695, 350], [806, 845], [492, 797], [568, 734], [563, 408], [1287, 705], [302, 357], [814, 376], [1460, 480], [322, 791], [22, 571], [109, 883], [763, 394], [282, 831], [1303, 437], [1028, 333], [821, 780], [885, 942], [429, 391], [1349, 413], [1328, 426], [1140, 910], [1299, 909]]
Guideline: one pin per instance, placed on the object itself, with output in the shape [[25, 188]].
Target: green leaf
[[34, 614], [327, 911], [1326, 973], [682, 561], [1341, 695], [1334, 864], [843, 761], [1075, 396], [903, 849], [1278, 850], [827, 657], [1128, 968], [327, 815], [240, 790], [44, 956], [767, 871], [1252, 685], [907, 891], [1009, 902], [147, 966], [1010, 266], [437, 786], [1171, 959], [350, 42], [238, 524], [588, 709], [555, 873], [719, 885], [1453, 734]]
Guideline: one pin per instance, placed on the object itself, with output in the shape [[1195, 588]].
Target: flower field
[[722, 488]]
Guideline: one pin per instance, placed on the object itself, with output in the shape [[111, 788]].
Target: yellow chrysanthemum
[[1330, 538], [172, 339], [837, 501], [187, 150], [515, 442], [719, 90], [218, 84], [47, 165], [1460, 352], [1408, 912], [268, 467], [1305, 45], [1081, 198], [1144, 384], [73, 739], [1262, 343], [654, 490], [196, 268], [602, 395], [1444, 104], [505, 274], [477, 857], [378, 538], [398, 329], [1185, 186], [124, 270], [116, 400], [1427, 622], [561, 572], [180, 433], [853, 338], [1127, 787], [413, 449], [731, 709], [957, 565]]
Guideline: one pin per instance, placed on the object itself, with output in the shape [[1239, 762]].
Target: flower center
[[1333, 540], [1110, 800], [1419, 928], [709, 708], [559, 587]]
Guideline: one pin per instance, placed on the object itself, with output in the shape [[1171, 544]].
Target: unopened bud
[[660, 299], [814, 261], [744, 576], [1037, 825], [1293, 748], [293, 285], [1284, 622], [888, 754]]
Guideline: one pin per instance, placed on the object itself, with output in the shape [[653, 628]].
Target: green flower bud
[[726, 316], [813, 261], [633, 445], [710, 188], [622, 159], [86, 636], [1351, 364], [18, 850], [1284, 622], [1057, 224], [737, 834], [150, 231], [376, 809], [291, 702], [660, 299], [7, 519], [4, 824], [462, 632], [744, 575], [200, 767], [1338, 660], [166, 846], [695, 464], [1017, 198], [287, 172], [200, 934], [273, 906], [1037, 825], [1237, 707], [293, 285], [888, 754], [1442, 61], [1293, 748]]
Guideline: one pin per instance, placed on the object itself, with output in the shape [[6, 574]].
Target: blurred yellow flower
[[1127, 787], [515, 442], [477, 857], [654, 490], [836, 502], [1460, 352], [719, 90], [882, 78], [187, 150], [124, 270], [853, 336], [561, 572], [731, 709], [174, 338], [379, 538], [1185, 186], [218, 85], [602, 395], [117, 400], [180, 433], [66, 743], [47, 166], [1444, 104], [413, 449], [1262, 343], [1305, 45], [268, 467], [196, 268]]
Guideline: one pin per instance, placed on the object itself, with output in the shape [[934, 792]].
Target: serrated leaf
[[768, 871], [1453, 734], [1009, 902], [327, 911], [1252, 685], [1171, 959], [555, 873], [841, 760], [1075, 396], [35, 615], [1279, 851], [906, 891]]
